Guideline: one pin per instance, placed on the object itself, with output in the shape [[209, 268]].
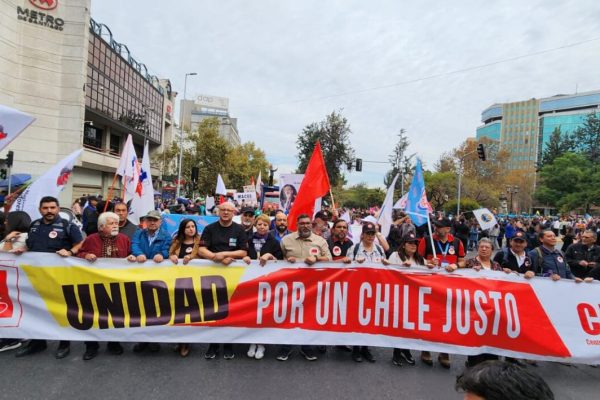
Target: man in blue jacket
[[149, 244]]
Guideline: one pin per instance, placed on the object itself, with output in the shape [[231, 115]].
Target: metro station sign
[[39, 15]]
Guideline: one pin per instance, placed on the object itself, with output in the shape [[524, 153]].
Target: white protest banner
[[246, 198], [44, 296], [485, 218]]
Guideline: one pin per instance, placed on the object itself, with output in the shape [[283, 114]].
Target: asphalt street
[[165, 375]]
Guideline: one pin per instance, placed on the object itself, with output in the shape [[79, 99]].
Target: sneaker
[[213, 350], [63, 350], [90, 353], [228, 353], [251, 351], [407, 356], [308, 353], [284, 354], [260, 352], [367, 355], [9, 344], [356, 355]]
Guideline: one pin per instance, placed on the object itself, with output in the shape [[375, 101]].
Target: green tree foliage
[[334, 134], [587, 138], [571, 182], [440, 187], [400, 161], [244, 162], [558, 145], [466, 204], [359, 196]]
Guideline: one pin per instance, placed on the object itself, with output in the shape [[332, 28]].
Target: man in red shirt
[[450, 255], [107, 243]]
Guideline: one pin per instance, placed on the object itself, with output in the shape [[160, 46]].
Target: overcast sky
[[284, 64]]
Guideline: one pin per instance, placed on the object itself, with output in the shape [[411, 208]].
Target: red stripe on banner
[[438, 308]]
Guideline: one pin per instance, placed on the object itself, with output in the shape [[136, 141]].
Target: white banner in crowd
[[43, 296], [485, 218], [143, 195], [49, 184], [12, 123], [246, 198], [288, 189]]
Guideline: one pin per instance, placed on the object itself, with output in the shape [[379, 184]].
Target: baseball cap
[[519, 235], [443, 223], [154, 214], [369, 227], [409, 237], [247, 210]]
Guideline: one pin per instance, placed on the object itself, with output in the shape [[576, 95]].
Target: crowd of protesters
[[527, 246]]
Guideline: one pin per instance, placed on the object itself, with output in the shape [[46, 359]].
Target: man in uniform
[[126, 227], [309, 248], [450, 255], [223, 241], [584, 257], [51, 234]]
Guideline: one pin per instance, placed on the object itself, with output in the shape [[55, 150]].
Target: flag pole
[[332, 200], [431, 235], [110, 192]]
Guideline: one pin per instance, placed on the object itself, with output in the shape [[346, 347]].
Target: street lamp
[[181, 134], [512, 190]]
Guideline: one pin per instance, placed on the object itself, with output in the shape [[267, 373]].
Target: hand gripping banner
[[466, 312]]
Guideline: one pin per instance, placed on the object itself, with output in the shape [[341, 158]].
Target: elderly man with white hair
[[107, 243]]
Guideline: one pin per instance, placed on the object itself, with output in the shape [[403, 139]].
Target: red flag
[[314, 185]]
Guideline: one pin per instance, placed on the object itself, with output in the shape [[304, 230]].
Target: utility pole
[[178, 192]]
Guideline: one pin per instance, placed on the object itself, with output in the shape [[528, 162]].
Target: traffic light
[[358, 164], [3, 173], [9, 159], [481, 151], [195, 174]]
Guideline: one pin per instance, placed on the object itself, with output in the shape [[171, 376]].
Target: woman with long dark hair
[[16, 225], [406, 256], [185, 246]]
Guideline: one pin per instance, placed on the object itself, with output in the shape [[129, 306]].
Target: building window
[[92, 137], [115, 144]]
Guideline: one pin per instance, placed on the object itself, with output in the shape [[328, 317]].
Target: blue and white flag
[[143, 196], [417, 206]]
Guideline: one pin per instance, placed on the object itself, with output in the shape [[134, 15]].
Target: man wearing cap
[[515, 258], [247, 219], [320, 225], [223, 242], [450, 255], [309, 248], [149, 244], [338, 242]]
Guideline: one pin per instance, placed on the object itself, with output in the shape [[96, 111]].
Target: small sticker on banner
[[314, 251], [559, 259], [52, 234], [337, 251]]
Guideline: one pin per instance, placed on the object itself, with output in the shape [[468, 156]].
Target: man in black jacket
[[584, 257], [515, 257]]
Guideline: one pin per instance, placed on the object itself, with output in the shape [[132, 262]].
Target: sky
[[428, 67]]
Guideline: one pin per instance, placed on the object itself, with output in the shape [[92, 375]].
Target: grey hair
[[104, 217], [486, 240], [591, 232]]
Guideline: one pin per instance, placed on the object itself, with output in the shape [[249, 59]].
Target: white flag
[[485, 218], [259, 184], [346, 217], [143, 195], [49, 184], [385, 215], [12, 123], [317, 206], [401, 203], [129, 169], [210, 203], [221, 189]]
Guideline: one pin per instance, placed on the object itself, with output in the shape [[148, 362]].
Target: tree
[[400, 161], [243, 162], [558, 145], [359, 196], [440, 187], [466, 204], [569, 183], [587, 138], [334, 135]]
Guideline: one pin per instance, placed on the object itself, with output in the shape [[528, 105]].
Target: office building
[[193, 112]]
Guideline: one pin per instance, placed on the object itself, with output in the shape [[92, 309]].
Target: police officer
[[51, 234]]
